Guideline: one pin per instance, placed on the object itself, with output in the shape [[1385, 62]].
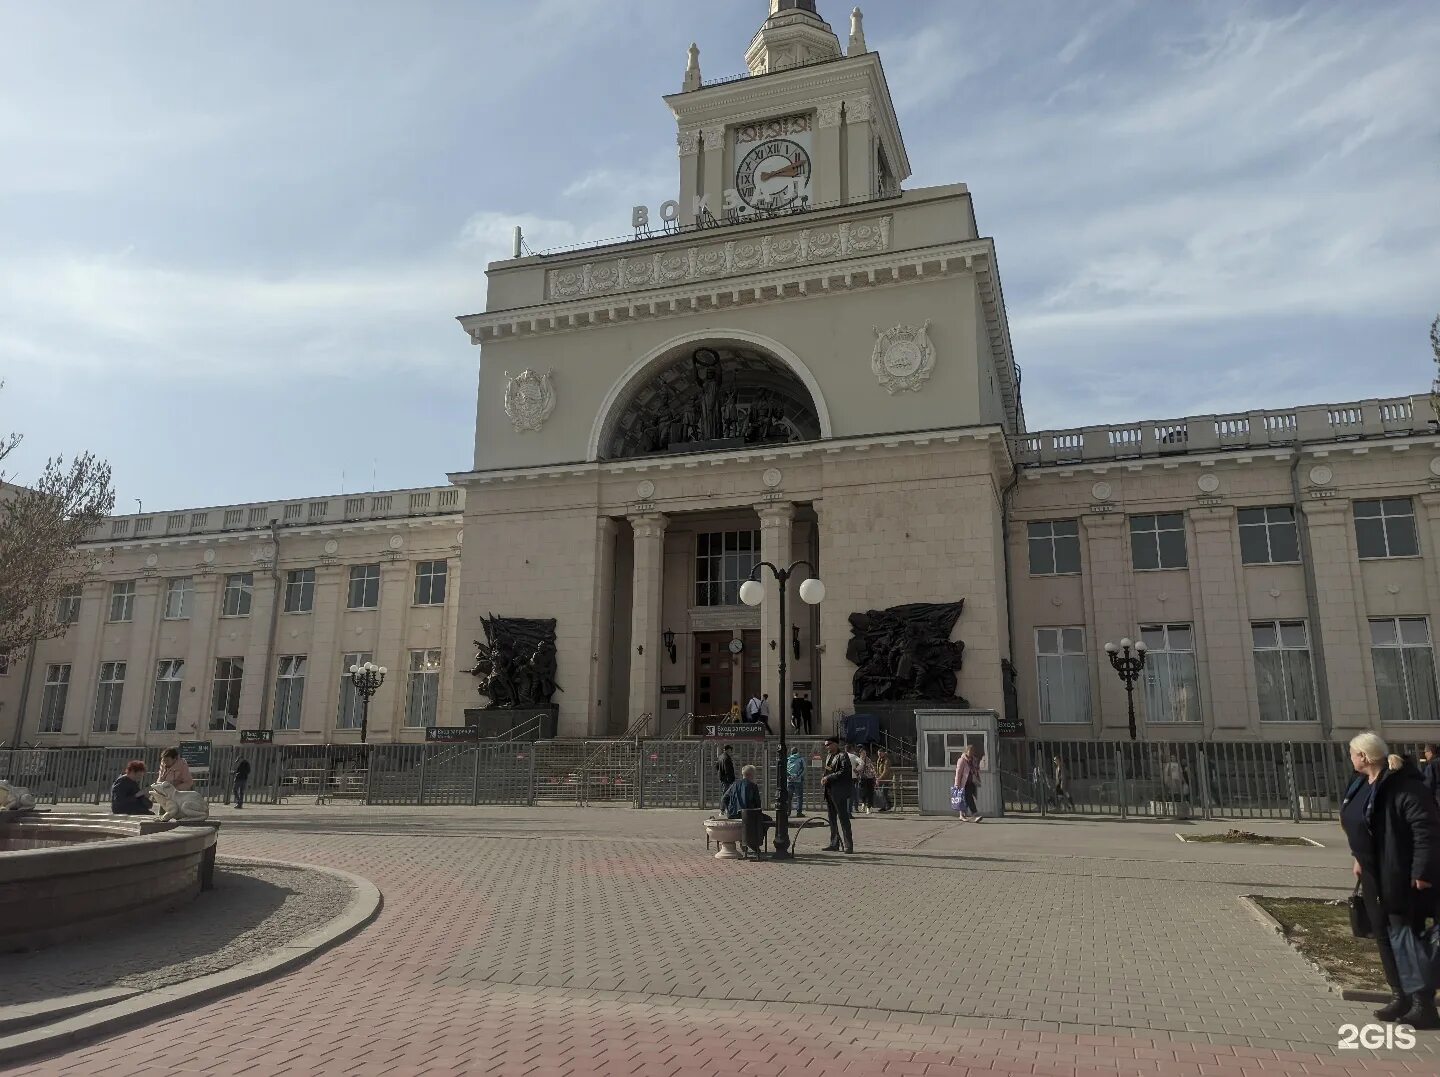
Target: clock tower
[[810, 127]]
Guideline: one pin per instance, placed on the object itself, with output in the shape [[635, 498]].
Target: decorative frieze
[[857, 109], [707, 261]]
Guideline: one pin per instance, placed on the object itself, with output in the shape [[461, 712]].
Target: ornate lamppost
[[1128, 665], [752, 592], [367, 680]]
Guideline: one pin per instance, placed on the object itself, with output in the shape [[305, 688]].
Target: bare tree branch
[[41, 528]]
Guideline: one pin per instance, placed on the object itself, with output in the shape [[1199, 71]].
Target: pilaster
[[645, 606], [387, 715], [828, 162], [255, 632], [600, 706], [1350, 680], [859, 149], [140, 661], [1110, 608], [1222, 629], [199, 657], [321, 708], [687, 141]]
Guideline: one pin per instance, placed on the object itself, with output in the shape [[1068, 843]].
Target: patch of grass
[[1245, 837], [1320, 930]]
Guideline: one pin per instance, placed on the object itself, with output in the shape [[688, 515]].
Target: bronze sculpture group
[[516, 666]]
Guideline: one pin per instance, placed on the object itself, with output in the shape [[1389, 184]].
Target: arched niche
[[708, 392]]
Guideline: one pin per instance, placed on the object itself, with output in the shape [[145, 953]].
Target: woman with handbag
[[1393, 827], [967, 783]]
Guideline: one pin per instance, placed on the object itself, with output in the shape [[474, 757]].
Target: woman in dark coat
[[1393, 826]]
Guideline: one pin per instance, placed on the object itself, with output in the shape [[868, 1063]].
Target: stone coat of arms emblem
[[529, 398], [903, 357]]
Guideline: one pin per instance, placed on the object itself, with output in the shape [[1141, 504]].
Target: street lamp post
[[752, 593], [367, 680], [1128, 665]]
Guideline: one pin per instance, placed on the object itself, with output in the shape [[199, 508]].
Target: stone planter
[[1315, 806], [726, 834]]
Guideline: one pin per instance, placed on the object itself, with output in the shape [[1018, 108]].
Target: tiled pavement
[[604, 941]]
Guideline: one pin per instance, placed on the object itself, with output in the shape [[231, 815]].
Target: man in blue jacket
[[795, 778]]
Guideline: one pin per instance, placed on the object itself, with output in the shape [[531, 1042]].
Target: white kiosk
[[941, 735]]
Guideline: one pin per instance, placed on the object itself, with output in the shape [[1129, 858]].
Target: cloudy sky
[[234, 236]]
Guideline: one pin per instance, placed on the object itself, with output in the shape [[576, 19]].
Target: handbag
[[1360, 925], [957, 798]]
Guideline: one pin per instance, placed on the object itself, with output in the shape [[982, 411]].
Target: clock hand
[[791, 170]]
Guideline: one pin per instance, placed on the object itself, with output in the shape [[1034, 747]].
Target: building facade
[[795, 360]]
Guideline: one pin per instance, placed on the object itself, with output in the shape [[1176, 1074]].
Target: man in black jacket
[[838, 782], [126, 795], [725, 768], [238, 780]]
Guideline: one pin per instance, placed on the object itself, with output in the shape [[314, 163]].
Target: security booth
[[941, 735]]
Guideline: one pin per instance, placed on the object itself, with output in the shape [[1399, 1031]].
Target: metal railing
[[1117, 779]]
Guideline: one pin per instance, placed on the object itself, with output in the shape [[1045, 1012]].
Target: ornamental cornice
[[796, 282], [727, 257]]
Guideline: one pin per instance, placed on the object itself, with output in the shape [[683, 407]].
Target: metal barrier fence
[[1123, 779]]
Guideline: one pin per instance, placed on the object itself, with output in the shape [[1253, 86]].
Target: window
[[1157, 541], [67, 606], [423, 691], [364, 587], [350, 703], [1062, 675], [300, 590], [165, 708], [225, 696], [54, 697], [239, 587], [1285, 683], [723, 561], [1172, 685], [1404, 669], [1386, 528], [942, 750], [179, 594], [289, 691], [1269, 536], [122, 600], [1054, 548], [430, 583], [108, 694]]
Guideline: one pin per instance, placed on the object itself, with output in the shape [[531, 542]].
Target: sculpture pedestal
[[897, 717], [497, 723]]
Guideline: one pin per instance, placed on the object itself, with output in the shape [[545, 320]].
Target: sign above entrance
[[733, 730], [672, 689], [257, 736]]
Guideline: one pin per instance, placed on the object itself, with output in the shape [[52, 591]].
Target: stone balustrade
[[1316, 423], [314, 511]]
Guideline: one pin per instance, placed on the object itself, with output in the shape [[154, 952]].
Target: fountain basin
[[66, 876]]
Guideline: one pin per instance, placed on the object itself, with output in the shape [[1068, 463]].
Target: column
[[777, 520], [1349, 677], [713, 180], [257, 691], [80, 704], [645, 596], [1110, 608], [321, 707], [194, 713], [1222, 625], [600, 707]]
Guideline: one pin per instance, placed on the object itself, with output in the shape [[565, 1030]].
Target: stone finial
[[857, 34], [692, 69]]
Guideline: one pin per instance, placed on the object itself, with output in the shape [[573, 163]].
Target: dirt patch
[[1245, 837], [1321, 931]]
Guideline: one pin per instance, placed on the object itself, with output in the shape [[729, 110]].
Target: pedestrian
[[967, 781], [853, 751], [882, 779], [1430, 772], [126, 795], [175, 770], [238, 779], [1062, 790], [1173, 775], [802, 713], [1040, 784], [867, 781], [1393, 827], [725, 768], [795, 778], [744, 795], [837, 781]]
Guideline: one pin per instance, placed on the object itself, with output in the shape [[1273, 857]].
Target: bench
[[796, 827]]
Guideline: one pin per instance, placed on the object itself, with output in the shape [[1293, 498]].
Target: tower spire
[[857, 34], [793, 35], [692, 69]]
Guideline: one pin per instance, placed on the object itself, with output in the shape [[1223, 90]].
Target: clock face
[[773, 174], [736, 646]]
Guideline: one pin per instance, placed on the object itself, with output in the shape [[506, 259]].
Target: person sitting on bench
[[744, 795]]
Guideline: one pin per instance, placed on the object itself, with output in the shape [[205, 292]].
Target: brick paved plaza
[[606, 941]]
